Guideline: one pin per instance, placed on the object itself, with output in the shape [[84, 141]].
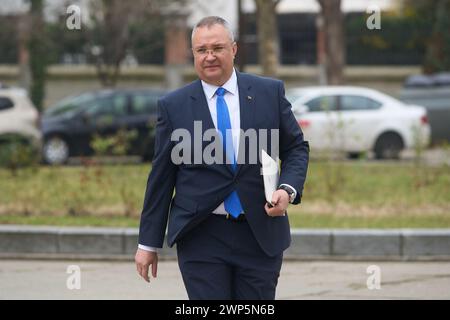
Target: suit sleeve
[[160, 185], [294, 150]]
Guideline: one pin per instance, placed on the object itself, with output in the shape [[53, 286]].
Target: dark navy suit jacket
[[200, 188]]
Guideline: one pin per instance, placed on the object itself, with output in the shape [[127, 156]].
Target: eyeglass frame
[[213, 51]]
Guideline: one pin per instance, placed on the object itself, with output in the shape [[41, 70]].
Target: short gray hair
[[211, 21]]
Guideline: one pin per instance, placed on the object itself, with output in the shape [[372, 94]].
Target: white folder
[[270, 175]]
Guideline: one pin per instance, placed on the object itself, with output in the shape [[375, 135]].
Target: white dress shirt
[[232, 99]]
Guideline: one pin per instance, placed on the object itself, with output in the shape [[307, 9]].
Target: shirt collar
[[230, 86]]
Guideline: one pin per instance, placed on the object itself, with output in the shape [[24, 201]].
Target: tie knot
[[220, 92]]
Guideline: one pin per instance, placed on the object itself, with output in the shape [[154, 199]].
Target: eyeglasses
[[215, 51]]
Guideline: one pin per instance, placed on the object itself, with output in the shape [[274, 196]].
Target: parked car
[[70, 126], [18, 117], [432, 92], [356, 120]]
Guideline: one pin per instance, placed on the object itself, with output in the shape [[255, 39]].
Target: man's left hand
[[280, 202]]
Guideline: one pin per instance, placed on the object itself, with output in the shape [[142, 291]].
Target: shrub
[[17, 152]]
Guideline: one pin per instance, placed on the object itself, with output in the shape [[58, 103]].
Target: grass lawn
[[338, 195]]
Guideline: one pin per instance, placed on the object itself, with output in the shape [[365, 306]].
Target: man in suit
[[230, 242]]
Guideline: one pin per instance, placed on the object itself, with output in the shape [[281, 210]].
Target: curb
[[42, 242]]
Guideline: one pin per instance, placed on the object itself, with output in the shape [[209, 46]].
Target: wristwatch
[[289, 191]]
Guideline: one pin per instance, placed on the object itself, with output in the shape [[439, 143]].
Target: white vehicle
[[18, 116], [356, 120]]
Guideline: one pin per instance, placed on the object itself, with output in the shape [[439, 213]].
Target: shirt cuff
[[289, 186], [147, 248]]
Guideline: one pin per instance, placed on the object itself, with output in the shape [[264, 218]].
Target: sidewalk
[[30, 279]]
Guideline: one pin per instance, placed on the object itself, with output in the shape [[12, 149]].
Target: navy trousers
[[221, 260]]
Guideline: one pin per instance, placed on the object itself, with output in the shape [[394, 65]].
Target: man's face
[[213, 54]]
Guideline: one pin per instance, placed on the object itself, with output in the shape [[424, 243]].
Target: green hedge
[[401, 40]]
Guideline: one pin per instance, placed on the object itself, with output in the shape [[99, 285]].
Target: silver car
[[19, 117]]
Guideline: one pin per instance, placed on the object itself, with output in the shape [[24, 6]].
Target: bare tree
[[242, 52], [23, 32], [110, 35], [37, 43], [437, 57], [267, 35], [334, 38]]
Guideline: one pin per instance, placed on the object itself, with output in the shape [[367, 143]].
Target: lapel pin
[[249, 98]]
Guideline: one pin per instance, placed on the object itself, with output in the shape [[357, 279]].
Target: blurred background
[[369, 82]]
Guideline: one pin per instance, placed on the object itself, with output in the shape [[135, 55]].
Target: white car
[[19, 117], [356, 120]]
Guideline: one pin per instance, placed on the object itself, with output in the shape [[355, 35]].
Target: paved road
[[29, 279]]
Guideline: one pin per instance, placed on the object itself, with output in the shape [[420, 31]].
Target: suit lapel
[[201, 113], [247, 108], [200, 107]]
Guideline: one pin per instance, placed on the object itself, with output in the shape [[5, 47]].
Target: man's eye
[[201, 51], [218, 49]]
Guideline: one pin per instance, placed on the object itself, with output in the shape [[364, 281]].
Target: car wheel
[[55, 150], [388, 146], [354, 155]]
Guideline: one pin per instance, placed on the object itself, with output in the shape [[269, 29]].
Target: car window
[[323, 103], [144, 103], [354, 102], [70, 105], [114, 105], [5, 103], [293, 96]]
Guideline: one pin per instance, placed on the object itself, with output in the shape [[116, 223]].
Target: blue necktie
[[232, 203]]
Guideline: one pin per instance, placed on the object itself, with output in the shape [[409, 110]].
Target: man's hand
[[143, 261], [280, 202]]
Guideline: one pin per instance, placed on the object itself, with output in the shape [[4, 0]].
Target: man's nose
[[210, 56]]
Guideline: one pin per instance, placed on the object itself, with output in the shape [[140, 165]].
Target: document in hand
[[270, 175]]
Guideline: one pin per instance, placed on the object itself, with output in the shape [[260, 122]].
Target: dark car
[[70, 126], [432, 92]]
